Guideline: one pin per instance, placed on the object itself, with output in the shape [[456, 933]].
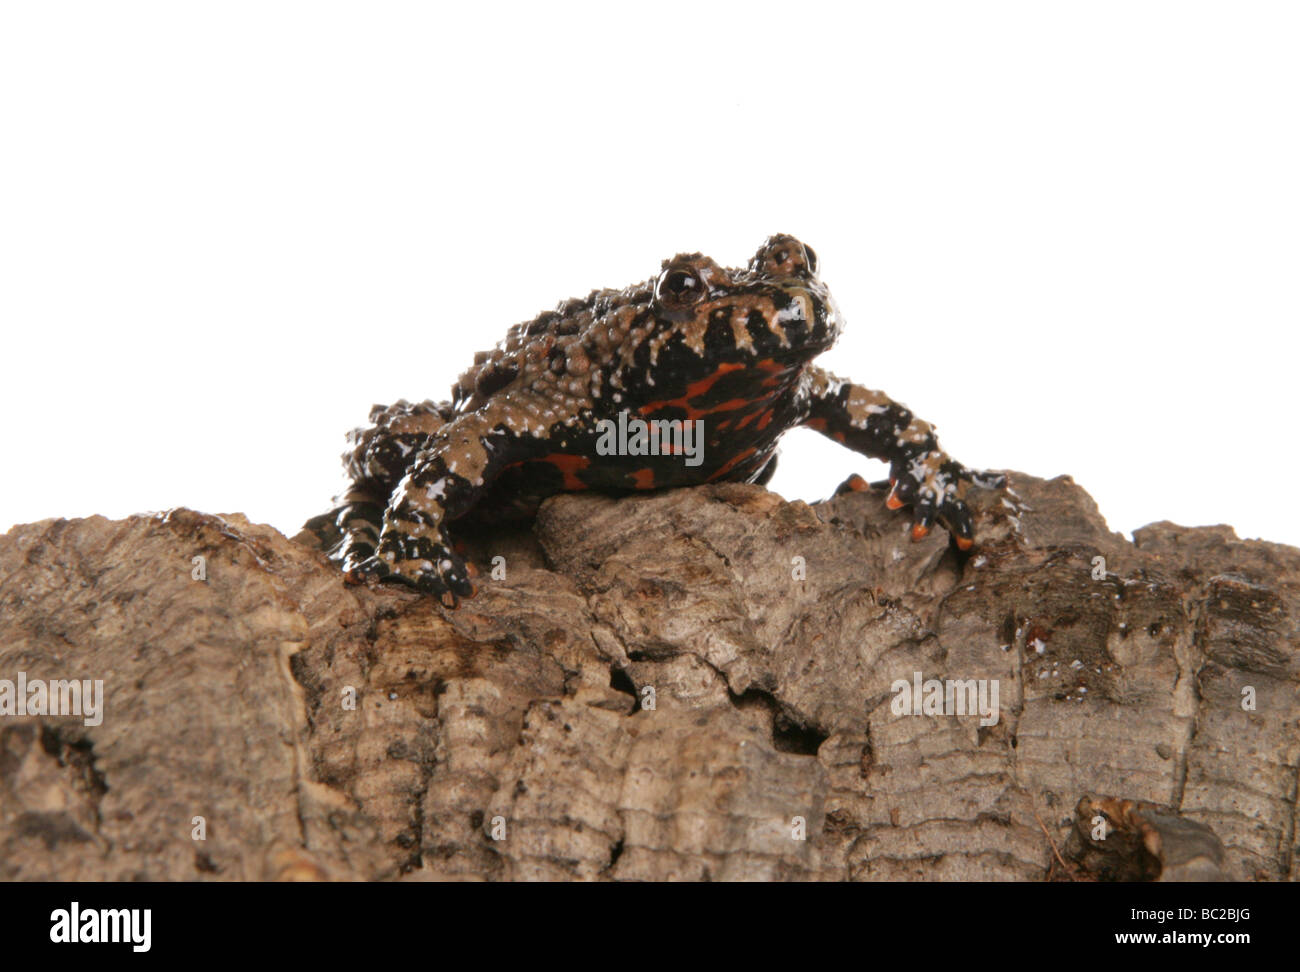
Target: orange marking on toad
[[731, 463], [570, 466]]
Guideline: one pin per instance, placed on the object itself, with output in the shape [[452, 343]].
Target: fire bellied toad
[[688, 378]]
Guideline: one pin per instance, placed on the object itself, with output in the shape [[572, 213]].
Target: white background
[[1066, 234]]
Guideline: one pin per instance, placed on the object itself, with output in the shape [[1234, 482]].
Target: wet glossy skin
[[728, 351]]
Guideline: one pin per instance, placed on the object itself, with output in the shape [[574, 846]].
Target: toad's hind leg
[[453, 472], [349, 533], [376, 462]]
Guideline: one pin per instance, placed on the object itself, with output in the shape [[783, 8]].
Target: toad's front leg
[[446, 479], [921, 474]]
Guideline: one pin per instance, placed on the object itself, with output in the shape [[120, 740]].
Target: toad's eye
[[679, 287], [782, 255]]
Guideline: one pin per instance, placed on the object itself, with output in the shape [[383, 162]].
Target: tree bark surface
[[696, 684]]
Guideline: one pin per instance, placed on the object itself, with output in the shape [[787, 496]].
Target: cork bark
[[696, 684]]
